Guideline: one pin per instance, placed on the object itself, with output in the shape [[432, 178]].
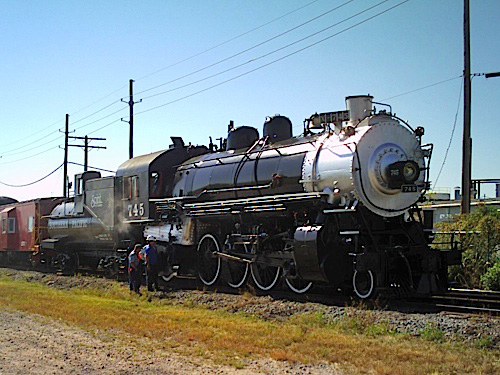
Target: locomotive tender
[[334, 206]]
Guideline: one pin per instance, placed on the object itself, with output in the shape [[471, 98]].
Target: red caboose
[[22, 226]]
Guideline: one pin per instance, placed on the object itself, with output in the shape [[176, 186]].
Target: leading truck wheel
[[207, 262], [363, 283]]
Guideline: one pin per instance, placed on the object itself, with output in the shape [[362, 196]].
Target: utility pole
[[65, 172], [467, 140], [86, 147], [131, 118]]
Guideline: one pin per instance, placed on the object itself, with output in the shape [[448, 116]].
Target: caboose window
[[4, 225], [12, 225]]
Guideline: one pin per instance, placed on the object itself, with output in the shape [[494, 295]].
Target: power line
[[100, 119], [229, 40], [422, 88], [451, 136], [109, 115], [29, 136], [105, 126], [31, 156], [250, 48], [59, 121], [96, 112], [22, 152], [98, 169], [55, 123], [177, 63], [33, 148], [15, 150], [279, 59], [34, 182], [150, 74], [99, 100], [258, 68], [264, 55]]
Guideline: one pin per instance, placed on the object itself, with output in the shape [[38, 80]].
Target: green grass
[[356, 343]]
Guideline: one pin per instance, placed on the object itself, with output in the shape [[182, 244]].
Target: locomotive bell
[[315, 124]]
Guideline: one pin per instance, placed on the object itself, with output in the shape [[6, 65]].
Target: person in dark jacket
[[134, 271], [151, 261]]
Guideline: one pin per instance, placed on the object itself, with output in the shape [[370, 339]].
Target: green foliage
[[431, 333], [485, 342], [363, 322], [491, 279], [479, 244]]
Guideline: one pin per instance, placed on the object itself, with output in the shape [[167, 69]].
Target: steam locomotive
[[335, 206]]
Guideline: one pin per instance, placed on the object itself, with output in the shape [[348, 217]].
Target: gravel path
[[31, 344]]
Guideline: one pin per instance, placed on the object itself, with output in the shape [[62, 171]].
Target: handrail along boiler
[[335, 206]]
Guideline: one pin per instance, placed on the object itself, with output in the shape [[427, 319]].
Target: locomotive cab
[[80, 182], [151, 176]]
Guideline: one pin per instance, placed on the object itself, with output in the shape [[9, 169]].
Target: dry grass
[[227, 338]]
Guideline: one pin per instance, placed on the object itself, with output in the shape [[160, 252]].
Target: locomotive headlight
[[411, 171], [402, 172]]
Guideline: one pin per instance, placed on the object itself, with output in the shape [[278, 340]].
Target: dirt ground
[[31, 344]]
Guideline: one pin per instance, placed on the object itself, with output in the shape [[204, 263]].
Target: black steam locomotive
[[335, 206]]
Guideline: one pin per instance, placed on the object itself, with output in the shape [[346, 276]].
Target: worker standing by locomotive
[[150, 256], [134, 271]]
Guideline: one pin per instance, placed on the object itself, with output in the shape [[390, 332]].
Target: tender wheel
[[265, 277], [237, 272], [364, 284], [208, 263], [67, 264], [298, 285]]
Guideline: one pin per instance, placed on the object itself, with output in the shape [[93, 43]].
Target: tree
[[480, 239]]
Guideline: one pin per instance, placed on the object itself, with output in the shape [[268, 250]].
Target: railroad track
[[468, 301]]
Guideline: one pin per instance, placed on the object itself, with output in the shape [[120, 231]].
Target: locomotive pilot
[[150, 256]]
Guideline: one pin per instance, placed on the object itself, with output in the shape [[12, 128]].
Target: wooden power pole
[[65, 169], [467, 140], [86, 147], [131, 118]]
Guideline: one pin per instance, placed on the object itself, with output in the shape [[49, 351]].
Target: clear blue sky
[[59, 57]]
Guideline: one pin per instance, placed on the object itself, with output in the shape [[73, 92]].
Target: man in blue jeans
[[150, 256]]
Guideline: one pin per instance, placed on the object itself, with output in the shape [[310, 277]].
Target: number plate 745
[[409, 188]]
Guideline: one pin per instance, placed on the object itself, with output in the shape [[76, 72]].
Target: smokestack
[[359, 107]]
